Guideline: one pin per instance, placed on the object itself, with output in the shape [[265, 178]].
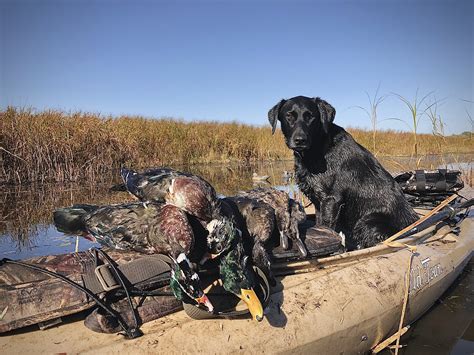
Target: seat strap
[[151, 269]]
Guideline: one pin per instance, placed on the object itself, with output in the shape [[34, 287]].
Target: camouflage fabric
[[29, 297]]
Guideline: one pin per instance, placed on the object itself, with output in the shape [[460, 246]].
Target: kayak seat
[[319, 241]]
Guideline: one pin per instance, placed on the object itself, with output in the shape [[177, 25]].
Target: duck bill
[[253, 303], [89, 237], [205, 301], [208, 256]]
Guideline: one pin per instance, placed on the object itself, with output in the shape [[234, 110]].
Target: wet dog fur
[[350, 189]]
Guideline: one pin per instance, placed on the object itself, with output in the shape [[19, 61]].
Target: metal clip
[[106, 278]]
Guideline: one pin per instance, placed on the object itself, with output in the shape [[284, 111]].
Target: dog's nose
[[299, 140]]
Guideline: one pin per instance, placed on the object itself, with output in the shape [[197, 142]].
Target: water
[[26, 231]]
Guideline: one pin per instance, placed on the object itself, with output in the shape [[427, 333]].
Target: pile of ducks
[[180, 215]]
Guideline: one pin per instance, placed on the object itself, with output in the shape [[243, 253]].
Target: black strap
[[104, 275], [420, 178], [441, 184]]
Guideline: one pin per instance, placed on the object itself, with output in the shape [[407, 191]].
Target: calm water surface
[[26, 231]]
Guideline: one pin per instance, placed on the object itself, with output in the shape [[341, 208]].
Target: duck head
[[222, 233], [225, 243], [186, 285], [238, 277]]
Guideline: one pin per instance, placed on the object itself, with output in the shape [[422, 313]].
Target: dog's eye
[[290, 118], [308, 117]]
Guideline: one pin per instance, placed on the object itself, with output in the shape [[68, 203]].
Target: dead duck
[[189, 192], [146, 228], [163, 228], [235, 268], [259, 217], [288, 213], [258, 225]]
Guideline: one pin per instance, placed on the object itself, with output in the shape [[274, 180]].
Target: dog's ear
[[326, 111], [273, 114]]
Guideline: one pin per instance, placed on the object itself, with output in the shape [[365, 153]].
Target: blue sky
[[233, 60]]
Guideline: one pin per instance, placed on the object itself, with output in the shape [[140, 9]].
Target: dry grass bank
[[396, 143], [58, 146]]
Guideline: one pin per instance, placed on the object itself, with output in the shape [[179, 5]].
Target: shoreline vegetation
[[54, 146]]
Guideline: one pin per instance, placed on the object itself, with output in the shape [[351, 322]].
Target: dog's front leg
[[330, 210], [317, 211]]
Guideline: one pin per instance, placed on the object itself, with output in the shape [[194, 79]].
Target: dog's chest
[[315, 186]]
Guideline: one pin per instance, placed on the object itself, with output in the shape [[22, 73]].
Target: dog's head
[[303, 120]]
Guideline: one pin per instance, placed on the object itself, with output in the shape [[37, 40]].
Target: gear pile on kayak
[[179, 237], [178, 215]]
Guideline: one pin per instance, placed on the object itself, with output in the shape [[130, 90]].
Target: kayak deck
[[349, 305]]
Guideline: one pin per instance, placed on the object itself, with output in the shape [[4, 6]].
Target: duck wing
[[259, 217], [189, 192], [124, 226], [151, 185]]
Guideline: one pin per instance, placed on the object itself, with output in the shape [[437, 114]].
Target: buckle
[[106, 278]]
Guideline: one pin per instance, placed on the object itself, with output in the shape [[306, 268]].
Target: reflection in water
[[27, 213]]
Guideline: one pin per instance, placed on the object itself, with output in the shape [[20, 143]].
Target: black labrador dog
[[350, 189]]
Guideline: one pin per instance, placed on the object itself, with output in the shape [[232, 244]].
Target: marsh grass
[[53, 146]]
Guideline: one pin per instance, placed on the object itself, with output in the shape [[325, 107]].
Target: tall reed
[[372, 113], [416, 112]]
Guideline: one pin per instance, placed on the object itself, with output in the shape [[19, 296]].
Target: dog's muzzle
[[298, 143]]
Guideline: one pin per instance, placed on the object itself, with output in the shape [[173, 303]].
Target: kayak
[[344, 303]]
